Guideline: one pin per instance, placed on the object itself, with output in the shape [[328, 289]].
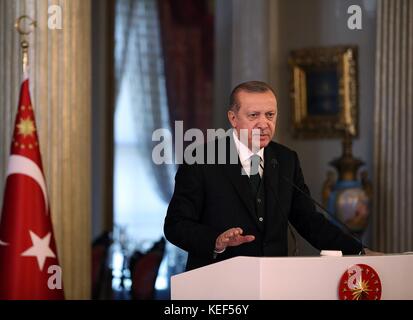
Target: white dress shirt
[[245, 154]]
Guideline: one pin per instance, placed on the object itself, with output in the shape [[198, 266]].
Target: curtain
[[187, 32], [140, 80], [393, 159]]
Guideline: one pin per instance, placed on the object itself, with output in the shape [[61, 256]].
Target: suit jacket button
[[261, 219]]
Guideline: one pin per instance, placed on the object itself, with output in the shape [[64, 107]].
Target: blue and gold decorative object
[[348, 198]]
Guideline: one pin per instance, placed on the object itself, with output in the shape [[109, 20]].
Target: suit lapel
[[239, 181]]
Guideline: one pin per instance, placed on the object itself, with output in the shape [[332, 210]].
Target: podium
[[293, 278]]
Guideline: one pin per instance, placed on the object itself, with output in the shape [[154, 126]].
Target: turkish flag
[[29, 268]]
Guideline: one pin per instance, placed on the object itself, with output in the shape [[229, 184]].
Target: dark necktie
[[255, 178]]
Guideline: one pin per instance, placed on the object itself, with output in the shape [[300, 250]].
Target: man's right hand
[[231, 238]]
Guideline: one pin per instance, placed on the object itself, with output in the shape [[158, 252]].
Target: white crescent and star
[[4, 244], [40, 249], [23, 165]]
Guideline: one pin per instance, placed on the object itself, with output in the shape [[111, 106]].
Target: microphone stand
[[329, 216]]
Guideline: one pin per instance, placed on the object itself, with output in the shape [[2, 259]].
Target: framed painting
[[324, 92]]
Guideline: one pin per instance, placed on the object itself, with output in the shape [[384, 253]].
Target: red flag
[[29, 268]]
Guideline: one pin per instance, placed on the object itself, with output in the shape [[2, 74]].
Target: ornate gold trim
[[344, 60]]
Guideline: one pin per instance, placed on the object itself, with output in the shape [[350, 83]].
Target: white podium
[[295, 278]]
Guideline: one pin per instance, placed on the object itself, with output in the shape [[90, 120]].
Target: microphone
[[330, 217]]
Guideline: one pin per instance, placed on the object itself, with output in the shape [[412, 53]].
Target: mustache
[[260, 133]]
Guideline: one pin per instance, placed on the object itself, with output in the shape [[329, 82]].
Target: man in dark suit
[[219, 211]]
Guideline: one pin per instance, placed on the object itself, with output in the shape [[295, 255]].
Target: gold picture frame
[[324, 92]]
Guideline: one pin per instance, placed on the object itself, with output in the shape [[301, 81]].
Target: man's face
[[257, 111]]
